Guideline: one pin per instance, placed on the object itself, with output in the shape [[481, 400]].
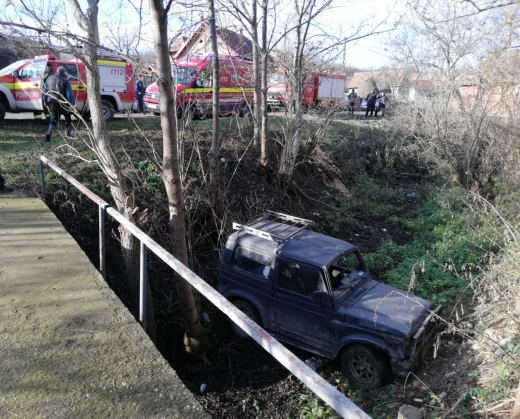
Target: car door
[[301, 304], [77, 82], [29, 85]]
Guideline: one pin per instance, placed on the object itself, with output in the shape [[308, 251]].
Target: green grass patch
[[451, 243]]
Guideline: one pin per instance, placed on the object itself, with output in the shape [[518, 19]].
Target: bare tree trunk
[[264, 158], [304, 11], [214, 173], [256, 76], [108, 162], [195, 341]]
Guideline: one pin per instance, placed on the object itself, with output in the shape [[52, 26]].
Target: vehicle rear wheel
[[2, 112], [249, 311], [245, 111], [365, 366], [108, 110], [187, 113]]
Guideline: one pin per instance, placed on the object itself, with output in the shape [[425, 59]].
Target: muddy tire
[[249, 311], [187, 113], [108, 110], [245, 111], [365, 366]]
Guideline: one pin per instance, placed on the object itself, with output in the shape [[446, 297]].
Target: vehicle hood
[[276, 89], [154, 89], [386, 309]]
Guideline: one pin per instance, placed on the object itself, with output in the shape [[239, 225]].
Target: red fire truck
[[192, 80], [319, 89], [21, 84]]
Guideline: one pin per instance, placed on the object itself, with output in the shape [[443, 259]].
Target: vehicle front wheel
[[365, 366], [249, 311], [108, 110]]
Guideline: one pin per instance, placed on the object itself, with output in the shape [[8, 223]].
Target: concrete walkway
[[68, 346]]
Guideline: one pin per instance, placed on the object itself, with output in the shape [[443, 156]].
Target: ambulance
[[21, 84], [192, 78]]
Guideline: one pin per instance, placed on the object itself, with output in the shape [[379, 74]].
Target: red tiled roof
[[237, 43], [358, 79]]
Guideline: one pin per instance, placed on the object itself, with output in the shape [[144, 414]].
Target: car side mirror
[[200, 83], [16, 75], [321, 298]]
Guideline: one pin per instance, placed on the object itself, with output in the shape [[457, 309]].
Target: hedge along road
[[69, 348]]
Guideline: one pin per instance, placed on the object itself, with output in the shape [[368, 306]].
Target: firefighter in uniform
[[46, 110], [38, 115], [59, 98]]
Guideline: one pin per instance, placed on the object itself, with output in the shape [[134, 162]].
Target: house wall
[[496, 99]]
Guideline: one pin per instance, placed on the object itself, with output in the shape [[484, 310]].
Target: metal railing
[[323, 389]]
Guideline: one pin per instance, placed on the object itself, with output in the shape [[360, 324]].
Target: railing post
[[42, 180], [142, 285], [102, 259]]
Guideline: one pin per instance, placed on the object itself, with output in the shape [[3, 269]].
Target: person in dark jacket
[[381, 103], [139, 94], [59, 98], [371, 102]]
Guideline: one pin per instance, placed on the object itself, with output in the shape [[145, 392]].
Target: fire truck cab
[[21, 84], [192, 78]]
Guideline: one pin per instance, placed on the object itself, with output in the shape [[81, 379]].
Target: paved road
[[68, 346]]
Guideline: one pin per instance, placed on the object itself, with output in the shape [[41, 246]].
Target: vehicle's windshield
[[277, 78], [183, 75], [345, 272], [11, 67]]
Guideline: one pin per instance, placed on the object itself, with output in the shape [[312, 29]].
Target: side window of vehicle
[[300, 278], [33, 70], [253, 262], [71, 71]]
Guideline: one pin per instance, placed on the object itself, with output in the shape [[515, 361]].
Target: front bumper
[[420, 344], [154, 107], [276, 102]]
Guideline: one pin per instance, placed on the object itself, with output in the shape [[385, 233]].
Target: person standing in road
[[139, 93], [59, 98], [352, 96], [371, 102], [381, 102]]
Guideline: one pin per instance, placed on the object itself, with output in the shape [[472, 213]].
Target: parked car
[[363, 105], [315, 292]]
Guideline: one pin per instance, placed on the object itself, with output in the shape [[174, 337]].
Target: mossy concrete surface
[[68, 347]]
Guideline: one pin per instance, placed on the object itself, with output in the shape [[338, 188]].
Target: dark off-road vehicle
[[315, 292]]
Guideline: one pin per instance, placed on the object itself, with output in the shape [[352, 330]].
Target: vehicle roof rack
[[275, 226]]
